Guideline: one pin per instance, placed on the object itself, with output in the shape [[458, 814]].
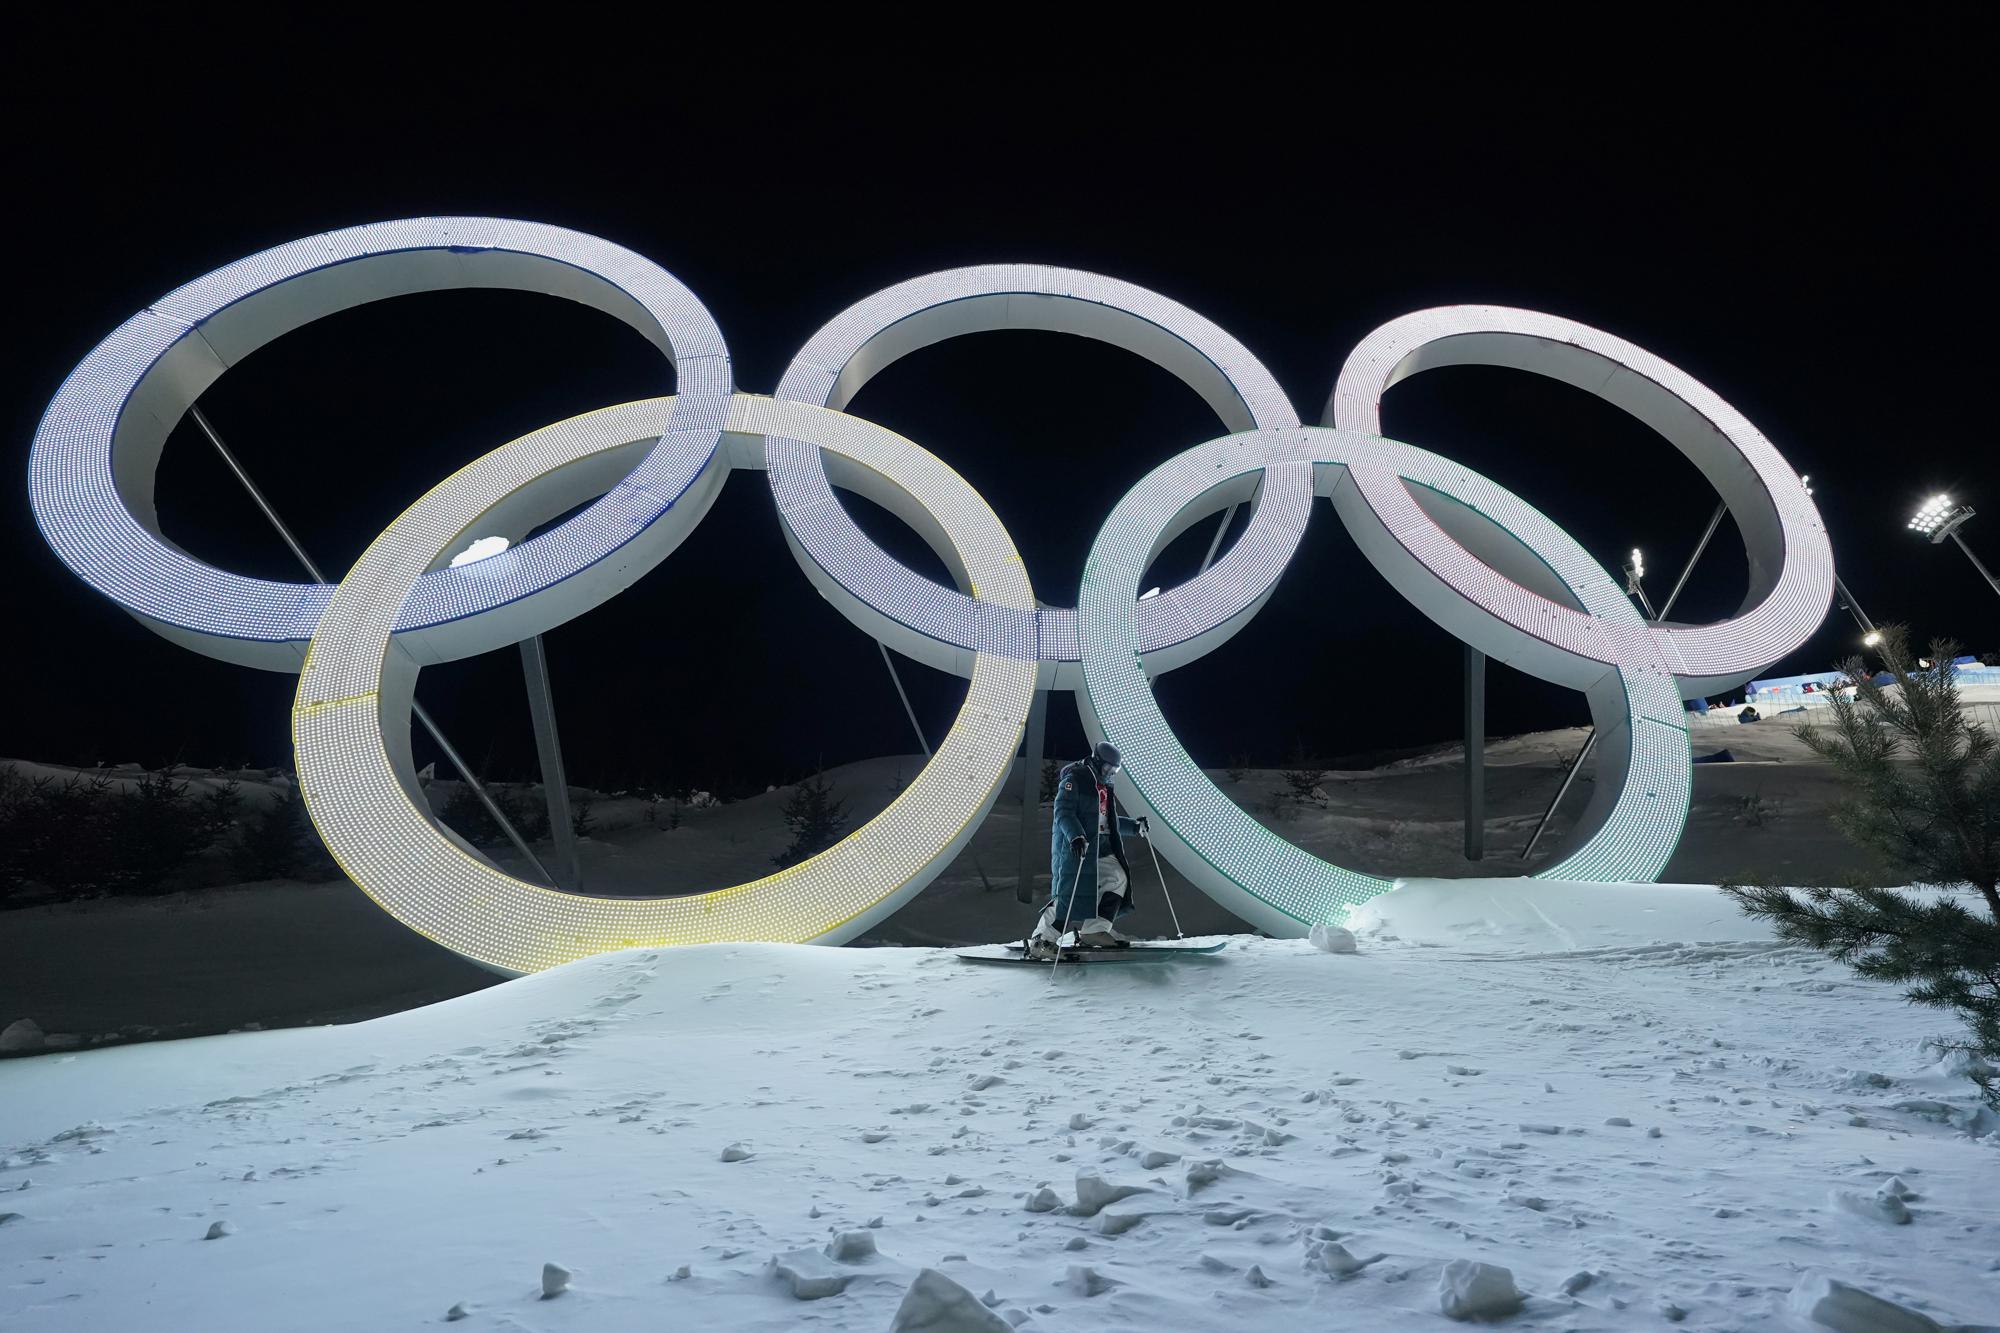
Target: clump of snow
[[1085, 1280], [458, 1311], [555, 1281], [936, 1304], [1880, 1205], [1044, 1200], [1830, 1303], [850, 1247], [1327, 1255], [809, 1276], [736, 1152], [217, 1230], [1092, 1194], [1332, 939], [1468, 1289]]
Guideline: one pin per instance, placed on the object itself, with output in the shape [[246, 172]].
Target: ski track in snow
[[1284, 1116]]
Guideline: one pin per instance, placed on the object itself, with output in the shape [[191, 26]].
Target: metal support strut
[[1589, 744], [1590, 737], [1475, 754], [1976, 562], [1714, 521], [548, 751], [924, 745], [1032, 748], [449, 751], [1228, 516]]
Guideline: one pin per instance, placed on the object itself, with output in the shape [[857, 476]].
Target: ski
[[1014, 955]]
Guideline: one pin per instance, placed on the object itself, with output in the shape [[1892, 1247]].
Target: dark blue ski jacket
[[1076, 809]]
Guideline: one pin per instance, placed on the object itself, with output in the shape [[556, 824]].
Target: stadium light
[[1940, 517], [1635, 570]]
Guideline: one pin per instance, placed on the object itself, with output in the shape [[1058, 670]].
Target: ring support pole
[[1976, 563], [1860, 616], [1475, 754], [1583, 753], [493, 810], [923, 744], [548, 753], [1714, 521], [1032, 748]]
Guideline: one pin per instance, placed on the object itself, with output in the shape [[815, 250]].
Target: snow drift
[[1604, 1106]]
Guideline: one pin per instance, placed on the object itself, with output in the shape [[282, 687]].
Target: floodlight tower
[[1940, 517], [1635, 570]]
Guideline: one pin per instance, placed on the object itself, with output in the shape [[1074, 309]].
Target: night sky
[[1814, 250]]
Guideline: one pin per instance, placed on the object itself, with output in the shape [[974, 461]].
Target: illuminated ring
[[1645, 774], [99, 443], [942, 626], [1791, 560], [350, 721]]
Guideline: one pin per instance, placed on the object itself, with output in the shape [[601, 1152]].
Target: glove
[[1145, 827], [1076, 845]]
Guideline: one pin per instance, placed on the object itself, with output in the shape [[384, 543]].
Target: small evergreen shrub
[[1925, 799], [815, 817]]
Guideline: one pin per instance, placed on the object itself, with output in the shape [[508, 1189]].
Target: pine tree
[[815, 818], [1925, 798], [278, 841]]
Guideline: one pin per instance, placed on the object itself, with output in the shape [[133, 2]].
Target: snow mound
[[1555, 915], [1274, 1140], [1819, 1299], [936, 1304]]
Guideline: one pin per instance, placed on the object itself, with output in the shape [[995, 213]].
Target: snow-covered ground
[[1627, 1096]]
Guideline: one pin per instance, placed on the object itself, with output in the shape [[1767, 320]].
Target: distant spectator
[[1749, 714]]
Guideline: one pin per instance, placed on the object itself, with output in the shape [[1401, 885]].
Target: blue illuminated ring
[[99, 443]]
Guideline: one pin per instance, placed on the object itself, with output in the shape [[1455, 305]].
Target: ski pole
[[1164, 891], [1066, 911]]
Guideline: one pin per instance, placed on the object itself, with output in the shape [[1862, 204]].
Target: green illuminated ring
[[351, 719], [1645, 774]]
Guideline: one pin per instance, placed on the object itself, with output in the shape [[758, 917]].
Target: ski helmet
[[1105, 756]]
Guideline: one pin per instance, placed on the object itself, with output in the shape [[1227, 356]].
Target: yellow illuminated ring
[[350, 721]]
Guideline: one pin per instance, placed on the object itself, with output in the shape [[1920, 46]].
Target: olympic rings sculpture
[[1475, 558]]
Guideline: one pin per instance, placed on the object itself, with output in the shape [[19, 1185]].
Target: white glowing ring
[[944, 626], [91, 470], [1791, 560], [350, 722], [1644, 776]]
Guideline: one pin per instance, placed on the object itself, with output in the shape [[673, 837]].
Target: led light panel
[[843, 356], [1791, 561], [1271, 882], [91, 470], [354, 697]]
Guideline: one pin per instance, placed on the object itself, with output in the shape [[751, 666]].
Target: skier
[[1089, 877]]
